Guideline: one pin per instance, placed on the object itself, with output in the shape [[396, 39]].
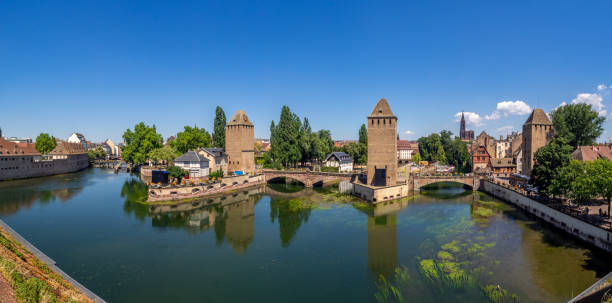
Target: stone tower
[[537, 132], [239, 143], [382, 145]]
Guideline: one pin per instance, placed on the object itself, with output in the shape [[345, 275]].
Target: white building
[[78, 138], [114, 148], [193, 163], [503, 149], [342, 160]]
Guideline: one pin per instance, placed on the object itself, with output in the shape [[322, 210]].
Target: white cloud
[[409, 132], [470, 118], [595, 100], [601, 87], [505, 129], [507, 108]]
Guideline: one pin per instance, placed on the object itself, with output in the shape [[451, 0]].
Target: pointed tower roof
[[382, 109], [240, 118], [538, 116]]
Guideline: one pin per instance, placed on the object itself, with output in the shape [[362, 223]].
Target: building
[[503, 167], [590, 153], [406, 149], [538, 131], [518, 160], [240, 144], [481, 160], [487, 141], [382, 146], [503, 148], [115, 150], [19, 140], [342, 143], [465, 135], [78, 138], [216, 157], [22, 160], [193, 163], [341, 160]]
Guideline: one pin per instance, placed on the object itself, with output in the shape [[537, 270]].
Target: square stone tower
[[537, 132], [239, 143], [382, 145]]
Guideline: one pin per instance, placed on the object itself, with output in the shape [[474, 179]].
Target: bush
[[329, 169], [176, 172], [216, 174]]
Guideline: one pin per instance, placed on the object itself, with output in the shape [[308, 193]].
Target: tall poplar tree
[[219, 128]]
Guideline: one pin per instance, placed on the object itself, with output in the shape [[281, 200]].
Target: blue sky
[[100, 67]]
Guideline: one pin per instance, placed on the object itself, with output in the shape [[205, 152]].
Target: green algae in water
[[452, 246], [483, 212], [496, 294], [443, 255]]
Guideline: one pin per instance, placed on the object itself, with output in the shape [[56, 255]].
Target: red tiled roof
[[12, 148], [590, 153]]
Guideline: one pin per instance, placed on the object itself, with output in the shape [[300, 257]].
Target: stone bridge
[[420, 181], [308, 178]]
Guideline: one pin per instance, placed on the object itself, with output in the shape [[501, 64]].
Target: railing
[[560, 205]]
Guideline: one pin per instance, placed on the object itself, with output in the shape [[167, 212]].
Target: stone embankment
[[33, 276], [175, 193], [583, 230]]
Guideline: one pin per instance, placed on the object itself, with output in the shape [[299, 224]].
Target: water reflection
[[382, 244], [17, 194]]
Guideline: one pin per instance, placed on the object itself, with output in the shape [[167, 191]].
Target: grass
[[32, 280]]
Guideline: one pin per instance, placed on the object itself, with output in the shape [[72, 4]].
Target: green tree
[[457, 155], [579, 124], [363, 134], [219, 128], [165, 154], [416, 158], [45, 143], [600, 174], [176, 172], [574, 183], [548, 162], [191, 138], [96, 153], [139, 143], [325, 144], [431, 148], [306, 140], [284, 138], [358, 151]]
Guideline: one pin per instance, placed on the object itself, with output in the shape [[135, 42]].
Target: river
[[284, 243]]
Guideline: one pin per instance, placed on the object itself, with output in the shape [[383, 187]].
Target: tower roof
[[538, 116], [382, 109], [240, 118]]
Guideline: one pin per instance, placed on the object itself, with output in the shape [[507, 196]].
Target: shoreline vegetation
[[31, 279]]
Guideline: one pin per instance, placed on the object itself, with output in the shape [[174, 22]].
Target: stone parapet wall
[[578, 228], [381, 194], [186, 192], [24, 166]]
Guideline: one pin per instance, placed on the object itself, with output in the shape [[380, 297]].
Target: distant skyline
[[99, 68]]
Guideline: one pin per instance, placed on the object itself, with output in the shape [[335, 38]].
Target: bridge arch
[[283, 179], [425, 181]]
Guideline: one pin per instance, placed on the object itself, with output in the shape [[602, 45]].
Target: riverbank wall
[[195, 191], [49, 262], [583, 230], [29, 166]]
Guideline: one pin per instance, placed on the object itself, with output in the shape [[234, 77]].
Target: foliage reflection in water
[[442, 244]]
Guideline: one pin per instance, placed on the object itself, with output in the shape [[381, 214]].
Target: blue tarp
[[238, 173]]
